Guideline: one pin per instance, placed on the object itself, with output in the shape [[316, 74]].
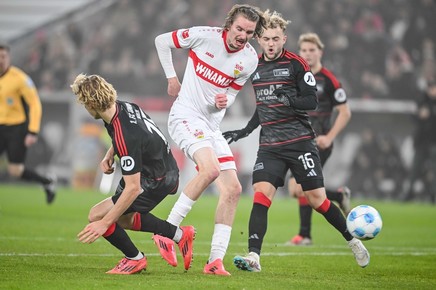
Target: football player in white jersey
[[220, 62]]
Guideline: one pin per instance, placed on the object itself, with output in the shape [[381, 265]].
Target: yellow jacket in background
[[16, 86]]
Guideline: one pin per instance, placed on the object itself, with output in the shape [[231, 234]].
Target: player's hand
[[283, 96], [106, 165], [92, 232], [174, 87], [323, 142], [221, 101], [30, 139], [235, 135]]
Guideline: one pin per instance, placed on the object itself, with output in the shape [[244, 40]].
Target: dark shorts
[[154, 191], [302, 158], [325, 154], [12, 141]]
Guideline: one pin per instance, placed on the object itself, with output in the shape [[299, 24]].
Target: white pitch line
[[417, 251], [428, 250]]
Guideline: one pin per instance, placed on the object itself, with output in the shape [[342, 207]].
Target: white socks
[[180, 209], [178, 235], [220, 242], [138, 257]]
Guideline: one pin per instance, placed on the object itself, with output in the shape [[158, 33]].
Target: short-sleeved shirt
[[140, 145], [282, 124], [330, 94], [212, 69]]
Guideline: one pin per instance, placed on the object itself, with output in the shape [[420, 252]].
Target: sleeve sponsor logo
[[309, 78], [127, 163], [340, 95]]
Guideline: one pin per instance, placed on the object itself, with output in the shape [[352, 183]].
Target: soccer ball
[[364, 222]]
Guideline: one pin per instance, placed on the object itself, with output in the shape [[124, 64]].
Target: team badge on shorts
[[258, 166]]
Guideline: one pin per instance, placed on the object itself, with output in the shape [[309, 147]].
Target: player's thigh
[[223, 152], [324, 155], [269, 167], [3, 139], [305, 164], [295, 189], [189, 132], [153, 192], [99, 210], [15, 147]]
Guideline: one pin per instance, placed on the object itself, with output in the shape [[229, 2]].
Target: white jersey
[[212, 69]]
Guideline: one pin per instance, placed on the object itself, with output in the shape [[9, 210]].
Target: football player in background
[[331, 97], [20, 121], [285, 89]]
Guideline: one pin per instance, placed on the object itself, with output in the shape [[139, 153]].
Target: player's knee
[[316, 197], [235, 191], [15, 170], [126, 221], [209, 173]]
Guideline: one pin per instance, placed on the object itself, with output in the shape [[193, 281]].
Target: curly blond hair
[[94, 92], [275, 19]]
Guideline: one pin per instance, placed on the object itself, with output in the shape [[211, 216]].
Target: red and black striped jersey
[[330, 94], [282, 124], [139, 144]]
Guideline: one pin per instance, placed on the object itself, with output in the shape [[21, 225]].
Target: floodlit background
[[382, 51]]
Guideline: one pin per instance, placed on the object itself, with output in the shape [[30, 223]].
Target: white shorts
[[192, 133]]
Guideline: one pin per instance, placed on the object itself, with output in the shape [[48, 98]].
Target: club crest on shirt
[[127, 163], [238, 69], [185, 34], [199, 134]]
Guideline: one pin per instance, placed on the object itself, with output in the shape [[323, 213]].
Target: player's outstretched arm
[[235, 135]]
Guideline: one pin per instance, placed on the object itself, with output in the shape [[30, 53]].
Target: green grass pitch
[[39, 248]]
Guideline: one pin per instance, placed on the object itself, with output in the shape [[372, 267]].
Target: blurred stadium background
[[384, 57]]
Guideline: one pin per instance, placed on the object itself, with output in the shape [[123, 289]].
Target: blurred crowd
[[378, 49]]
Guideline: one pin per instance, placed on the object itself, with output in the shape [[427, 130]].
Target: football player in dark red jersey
[[149, 170], [331, 96], [285, 90]]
